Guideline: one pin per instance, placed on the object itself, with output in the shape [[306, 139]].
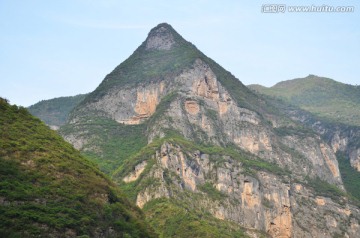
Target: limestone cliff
[[261, 200]]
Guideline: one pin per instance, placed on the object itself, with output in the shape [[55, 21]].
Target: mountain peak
[[161, 37]]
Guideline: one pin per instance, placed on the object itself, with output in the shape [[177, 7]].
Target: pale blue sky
[[61, 48]]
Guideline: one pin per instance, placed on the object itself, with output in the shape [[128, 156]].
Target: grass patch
[[322, 188], [211, 191], [350, 177], [188, 222]]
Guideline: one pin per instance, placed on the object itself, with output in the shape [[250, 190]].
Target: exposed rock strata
[[265, 202]]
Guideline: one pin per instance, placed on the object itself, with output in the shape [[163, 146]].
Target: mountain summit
[[161, 38], [159, 60], [181, 135]]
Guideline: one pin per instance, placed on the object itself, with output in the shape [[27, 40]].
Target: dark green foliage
[[322, 188], [115, 142], [146, 153], [56, 111], [173, 218], [323, 97], [350, 177], [212, 114], [211, 191], [299, 130], [267, 203], [47, 188]]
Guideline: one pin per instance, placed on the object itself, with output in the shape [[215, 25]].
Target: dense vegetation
[[323, 97], [114, 142], [350, 177], [322, 188], [47, 187], [174, 218], [56, 111]]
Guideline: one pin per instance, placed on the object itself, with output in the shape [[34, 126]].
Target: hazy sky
[[61, 48]]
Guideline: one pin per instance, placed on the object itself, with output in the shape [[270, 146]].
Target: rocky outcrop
[[263, 201], [355, 159], [205, 109], [160, 39], [136, 173], [192, 107], [129, 106], [342, 138], [315, 216]]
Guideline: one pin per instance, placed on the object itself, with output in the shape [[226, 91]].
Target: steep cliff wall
[[259, 200]]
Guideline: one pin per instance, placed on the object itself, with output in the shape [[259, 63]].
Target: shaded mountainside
[[344, 140], [178, 133], [324, 97], [329, 108], [55, 112], [47, 189]]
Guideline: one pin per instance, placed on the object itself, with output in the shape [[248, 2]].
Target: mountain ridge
[[321, 96], [54, 112]]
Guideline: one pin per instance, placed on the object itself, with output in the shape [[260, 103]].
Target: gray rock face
[[355, 159], [160, 39], [264, 202], [205, 109], [342, 138], [129, 106]]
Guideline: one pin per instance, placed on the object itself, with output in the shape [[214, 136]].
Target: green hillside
[[47, 189], [323, 97], [55, 111]]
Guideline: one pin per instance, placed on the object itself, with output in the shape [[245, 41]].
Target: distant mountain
[[324, 97], [55, 112], [203, 155], [47, 189]]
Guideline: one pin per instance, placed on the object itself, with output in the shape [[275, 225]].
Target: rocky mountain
[[202, 154], [326, 98], [55, 112], [47, 189], [340, 132]]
